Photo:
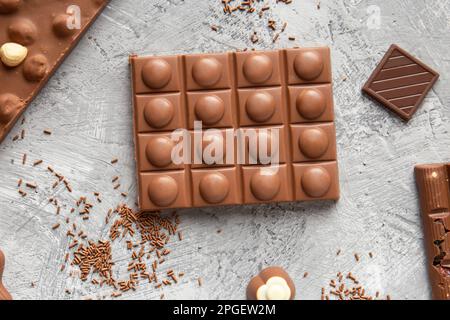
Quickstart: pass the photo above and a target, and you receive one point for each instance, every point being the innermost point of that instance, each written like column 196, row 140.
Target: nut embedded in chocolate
column 23, row 31
column 9, row 106
column 9, row 6
column 35, row 68
column 272, row 283
column 61, row 25
column 12, row 54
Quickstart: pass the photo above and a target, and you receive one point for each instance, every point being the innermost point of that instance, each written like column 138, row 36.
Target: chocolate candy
column 277, row 104
column 272, row 283
column 32, row 50
column 433, row 183
column 4, row 295
column 400, row 82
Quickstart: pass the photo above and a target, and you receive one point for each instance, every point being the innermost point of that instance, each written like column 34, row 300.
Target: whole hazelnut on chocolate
column 9, row 6
column 23, row 31
column 4, row 295
column 272, row 283
column 9, row 106
column 35, row 68
column 61, row 26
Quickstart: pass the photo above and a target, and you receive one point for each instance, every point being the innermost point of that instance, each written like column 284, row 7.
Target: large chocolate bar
column 433, row 183
column 278, row 104
column 400, row 82
column 35, row 37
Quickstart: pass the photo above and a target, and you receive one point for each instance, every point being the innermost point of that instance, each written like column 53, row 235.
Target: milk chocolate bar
column 4, row 294
column 400, row 82
column 35, row 37
column 272, row 283
column 433, row 183
column 253, row 107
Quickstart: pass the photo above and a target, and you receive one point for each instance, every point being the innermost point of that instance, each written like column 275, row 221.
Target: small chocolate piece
column 433, row 184
column 272, row 283
column 276, row 103
column 35, row 37
column 4, row 294
column 400, row 82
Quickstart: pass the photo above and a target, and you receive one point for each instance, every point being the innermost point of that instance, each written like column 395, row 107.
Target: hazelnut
column 12, row 54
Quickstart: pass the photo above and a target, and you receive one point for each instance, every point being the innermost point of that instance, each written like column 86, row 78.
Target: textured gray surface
column 87, row 106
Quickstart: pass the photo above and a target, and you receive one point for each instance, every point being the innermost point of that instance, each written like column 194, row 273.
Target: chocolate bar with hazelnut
column 35, row 37
column 433, row 184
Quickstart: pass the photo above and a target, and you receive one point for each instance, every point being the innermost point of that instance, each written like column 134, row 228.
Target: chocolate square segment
column 261, row 106
column 208, row 71
column 400, row 82
column 311, row 103
column 316, row 181
column 215, row 186
column 313, row 142
column 309, row 65
column 267, row 130
column 158, row 112
column 213, row 108
column 258, row 69
column 157, row 74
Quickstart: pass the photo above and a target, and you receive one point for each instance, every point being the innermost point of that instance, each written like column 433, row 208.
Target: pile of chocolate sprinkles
column 150, row 232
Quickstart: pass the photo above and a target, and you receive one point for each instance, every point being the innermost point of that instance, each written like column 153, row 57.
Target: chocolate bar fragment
column 274, row 103
column 272, row 283
column 400, row 82
column 433, row 183
column 35, row 37
column 4, row 294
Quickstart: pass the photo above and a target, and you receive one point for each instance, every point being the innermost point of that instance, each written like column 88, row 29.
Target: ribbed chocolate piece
column 433, row 183
column 4, row 294
column 400, row 82
column 46, row 32
column 284, row 98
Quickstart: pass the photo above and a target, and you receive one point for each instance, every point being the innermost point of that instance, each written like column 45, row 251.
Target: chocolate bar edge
column 422, row 188
column 55, row 67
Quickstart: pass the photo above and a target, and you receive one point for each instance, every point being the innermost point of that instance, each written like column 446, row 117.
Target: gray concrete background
column 87, row 106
